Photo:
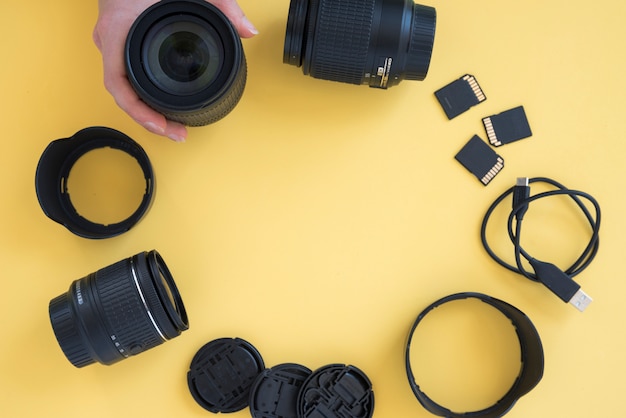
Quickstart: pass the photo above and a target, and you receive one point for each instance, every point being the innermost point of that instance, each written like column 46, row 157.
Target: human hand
column 115, row 17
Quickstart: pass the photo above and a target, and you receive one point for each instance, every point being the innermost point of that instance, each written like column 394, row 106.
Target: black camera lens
column 185, row 59
column 120, row 310
column 374, row 42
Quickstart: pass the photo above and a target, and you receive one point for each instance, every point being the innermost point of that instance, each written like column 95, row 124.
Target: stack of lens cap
column 228, row 374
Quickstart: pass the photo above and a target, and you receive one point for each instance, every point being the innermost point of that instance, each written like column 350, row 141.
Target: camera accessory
column 374, row 42
column 54, row 168
column 274, row 393
column 222, row 372
column 458, row 96
column 120, row 310
column 336, row 391
column 507, row 126
column 531, row 350
column 559, row 281
column 480, row 160
column 184, row 58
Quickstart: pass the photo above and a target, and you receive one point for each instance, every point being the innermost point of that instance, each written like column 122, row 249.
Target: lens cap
column 54, row 168
column 275, row 391
column 222, row 373
column 336, row 391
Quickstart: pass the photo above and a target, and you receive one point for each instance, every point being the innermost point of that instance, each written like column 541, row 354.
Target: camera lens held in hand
column 374, row 42
column 185, row 59
column 120, row 310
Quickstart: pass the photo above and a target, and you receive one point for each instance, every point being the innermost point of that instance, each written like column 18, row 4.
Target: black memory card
column 480, row 159
column 508, row 126
column 458, row 96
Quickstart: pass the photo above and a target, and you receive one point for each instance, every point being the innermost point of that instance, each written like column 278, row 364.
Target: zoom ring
column 130, row 327
column 421, row 43
column 342, row 38
column 66, row 331
column 218, row 110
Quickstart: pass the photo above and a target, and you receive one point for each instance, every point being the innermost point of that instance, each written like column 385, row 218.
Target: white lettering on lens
column 387, row 69
column 79, row 295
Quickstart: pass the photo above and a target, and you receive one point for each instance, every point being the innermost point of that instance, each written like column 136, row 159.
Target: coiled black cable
column 559, row 281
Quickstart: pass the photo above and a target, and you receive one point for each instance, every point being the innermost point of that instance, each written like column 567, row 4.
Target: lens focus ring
column 342, row 38
column 218, row 110
column 421, row 43
column 132, row 331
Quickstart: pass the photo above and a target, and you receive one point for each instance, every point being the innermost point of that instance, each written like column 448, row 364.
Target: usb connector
column 580, row 300
column 560, row 284
column 521, row 192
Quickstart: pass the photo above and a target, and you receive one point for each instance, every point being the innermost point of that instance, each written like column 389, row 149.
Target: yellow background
column 318, row 219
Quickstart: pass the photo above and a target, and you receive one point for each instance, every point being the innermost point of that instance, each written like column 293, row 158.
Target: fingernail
column 154, row 128
column 250, row 26
column 176, row 138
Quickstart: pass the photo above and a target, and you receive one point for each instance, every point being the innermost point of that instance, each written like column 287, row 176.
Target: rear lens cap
column 336, row 391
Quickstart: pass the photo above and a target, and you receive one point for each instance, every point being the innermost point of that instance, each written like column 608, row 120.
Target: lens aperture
column 183, row 57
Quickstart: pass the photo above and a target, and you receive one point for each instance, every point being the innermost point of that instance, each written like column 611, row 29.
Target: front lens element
column 183, row 58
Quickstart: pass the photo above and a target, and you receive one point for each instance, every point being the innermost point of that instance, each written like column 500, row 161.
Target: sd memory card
column 480, row 159
column 458, row 96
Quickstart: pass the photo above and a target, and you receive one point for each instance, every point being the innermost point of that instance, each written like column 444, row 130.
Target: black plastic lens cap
column 222, row 373
column 336, row 391
column 275, row 391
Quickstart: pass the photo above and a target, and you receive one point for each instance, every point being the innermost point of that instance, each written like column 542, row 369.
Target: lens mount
column 54, row 168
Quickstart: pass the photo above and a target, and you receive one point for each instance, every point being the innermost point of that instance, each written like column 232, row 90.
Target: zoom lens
column 185, row 59
column 375, row 42
column 120, row 310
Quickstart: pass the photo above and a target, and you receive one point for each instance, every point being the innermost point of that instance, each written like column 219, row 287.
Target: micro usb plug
column 560, row 284
column 521, row 193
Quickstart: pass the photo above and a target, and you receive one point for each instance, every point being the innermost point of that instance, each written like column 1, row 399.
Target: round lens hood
column 54, row 168
column 531, row 353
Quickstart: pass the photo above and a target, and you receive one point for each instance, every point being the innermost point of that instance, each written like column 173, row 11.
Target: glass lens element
column 183, row 58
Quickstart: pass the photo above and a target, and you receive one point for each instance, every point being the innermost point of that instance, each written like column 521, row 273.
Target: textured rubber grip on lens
column 421, row 43
column 65, row 329
column 130, row 326
column 218, row 110
column 342, row 38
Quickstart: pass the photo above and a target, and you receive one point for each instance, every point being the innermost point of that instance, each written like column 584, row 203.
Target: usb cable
column 559, row 281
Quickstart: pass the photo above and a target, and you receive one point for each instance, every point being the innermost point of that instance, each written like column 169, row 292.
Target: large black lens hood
column 55, row 165
column 532, row 359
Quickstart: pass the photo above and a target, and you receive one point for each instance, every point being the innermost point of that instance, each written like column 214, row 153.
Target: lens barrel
column 185, row 59
column 374, row 42
column 118, row 311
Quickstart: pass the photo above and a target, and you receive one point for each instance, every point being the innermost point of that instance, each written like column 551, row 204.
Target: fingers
column 116, row 83
column 235, row 14
column 128, row 101
column 111, row 43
